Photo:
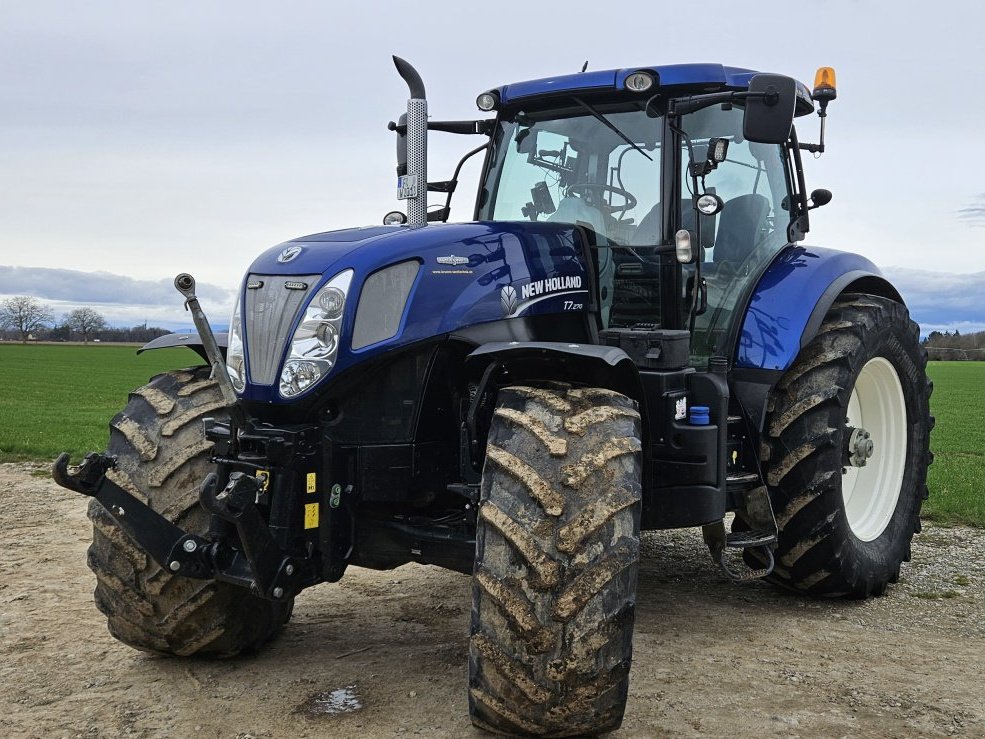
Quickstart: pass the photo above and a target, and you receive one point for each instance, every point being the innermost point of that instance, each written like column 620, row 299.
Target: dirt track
column 711, row 658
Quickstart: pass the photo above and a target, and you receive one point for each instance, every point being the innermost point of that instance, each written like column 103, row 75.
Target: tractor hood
column 453, row 276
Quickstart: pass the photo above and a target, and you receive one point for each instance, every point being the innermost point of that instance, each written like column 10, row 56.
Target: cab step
column 751, row 539
column 741, row 481
column 757, row 513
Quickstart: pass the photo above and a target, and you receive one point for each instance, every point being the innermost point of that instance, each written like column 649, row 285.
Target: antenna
column 584, row 66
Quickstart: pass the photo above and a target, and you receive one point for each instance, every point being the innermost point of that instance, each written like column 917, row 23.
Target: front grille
column 270, row 311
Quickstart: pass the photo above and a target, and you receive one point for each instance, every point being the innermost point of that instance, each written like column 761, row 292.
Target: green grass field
column 957, row 477
column 60, row 398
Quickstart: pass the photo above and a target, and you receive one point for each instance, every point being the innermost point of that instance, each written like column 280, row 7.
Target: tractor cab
column 684, row 202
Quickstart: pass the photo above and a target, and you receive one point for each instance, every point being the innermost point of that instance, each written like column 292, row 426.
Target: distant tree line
column 943, row 345
column 23, row 318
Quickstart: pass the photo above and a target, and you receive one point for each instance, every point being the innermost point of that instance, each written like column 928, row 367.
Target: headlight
column 235, row 358
column 316, row 340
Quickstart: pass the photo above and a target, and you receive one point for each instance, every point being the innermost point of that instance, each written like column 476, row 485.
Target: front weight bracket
column 171, row 547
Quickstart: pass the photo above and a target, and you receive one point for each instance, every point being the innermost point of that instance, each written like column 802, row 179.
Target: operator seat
column 574, row 210
column 741, row 226
column 647, row 230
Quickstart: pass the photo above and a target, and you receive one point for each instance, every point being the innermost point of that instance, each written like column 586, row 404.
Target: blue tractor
column 627, row 337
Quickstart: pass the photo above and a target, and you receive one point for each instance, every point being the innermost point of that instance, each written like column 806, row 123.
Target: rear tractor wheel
column 846, row 450
column 557, row 552
column 162, row 459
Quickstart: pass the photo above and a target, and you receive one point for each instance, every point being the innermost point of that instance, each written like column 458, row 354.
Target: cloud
column 104, row 287
column 942, row 301
column 974, row 213
column 122, row 301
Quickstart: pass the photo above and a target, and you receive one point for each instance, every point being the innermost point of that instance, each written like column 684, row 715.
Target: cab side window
column 752, row 182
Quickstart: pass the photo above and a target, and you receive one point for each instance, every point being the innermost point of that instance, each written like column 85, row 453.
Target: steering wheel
column 585, row 187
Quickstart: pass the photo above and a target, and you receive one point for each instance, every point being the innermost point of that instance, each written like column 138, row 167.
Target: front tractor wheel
column 846, row 450
column 162, row 459
column 557, row 550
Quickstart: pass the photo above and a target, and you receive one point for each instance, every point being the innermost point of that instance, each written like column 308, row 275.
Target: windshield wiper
column 611, row 126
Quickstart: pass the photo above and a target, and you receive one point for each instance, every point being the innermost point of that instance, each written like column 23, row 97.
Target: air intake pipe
column 412, row 150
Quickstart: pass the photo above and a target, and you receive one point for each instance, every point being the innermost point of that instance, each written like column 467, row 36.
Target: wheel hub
column 860, row 447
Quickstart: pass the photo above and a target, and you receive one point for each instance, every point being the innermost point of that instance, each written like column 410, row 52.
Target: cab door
column 739, row 242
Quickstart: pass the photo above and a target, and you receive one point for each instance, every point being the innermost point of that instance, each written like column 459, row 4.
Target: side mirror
column 820, row 197
column 769, row 109
column 401, row 131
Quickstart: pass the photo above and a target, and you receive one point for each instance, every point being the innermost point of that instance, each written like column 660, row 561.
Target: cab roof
column 703, row 77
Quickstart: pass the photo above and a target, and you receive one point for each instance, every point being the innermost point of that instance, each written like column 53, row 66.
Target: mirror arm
column 483, row 126
column 692, row 103
column 452, row 184
column 800, row 222
column 822, row 113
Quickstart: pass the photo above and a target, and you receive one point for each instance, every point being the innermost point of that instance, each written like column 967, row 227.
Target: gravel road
column 384, row 653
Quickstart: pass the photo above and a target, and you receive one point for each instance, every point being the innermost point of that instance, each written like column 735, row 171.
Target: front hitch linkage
column 262, row 566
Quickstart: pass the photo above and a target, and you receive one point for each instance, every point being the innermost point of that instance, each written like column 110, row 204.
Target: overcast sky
column 142, row 139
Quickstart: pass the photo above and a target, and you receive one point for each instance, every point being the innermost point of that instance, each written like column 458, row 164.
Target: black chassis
column 359, row 473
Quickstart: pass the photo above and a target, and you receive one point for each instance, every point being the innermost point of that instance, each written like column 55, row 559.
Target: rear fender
column 792, row 297
column 786, row 311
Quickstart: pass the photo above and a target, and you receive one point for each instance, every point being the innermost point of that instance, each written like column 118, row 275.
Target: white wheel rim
column 872, row 492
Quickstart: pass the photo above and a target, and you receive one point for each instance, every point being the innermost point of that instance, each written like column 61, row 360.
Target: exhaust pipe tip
column 410, row 75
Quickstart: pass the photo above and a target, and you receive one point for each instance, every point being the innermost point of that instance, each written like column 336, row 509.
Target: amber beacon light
column 824, row 86
column 824, row 92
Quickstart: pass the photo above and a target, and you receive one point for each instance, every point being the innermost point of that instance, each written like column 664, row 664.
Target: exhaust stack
column 413, row 185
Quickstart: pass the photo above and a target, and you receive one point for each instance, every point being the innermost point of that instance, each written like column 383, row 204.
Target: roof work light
column 639, row 81
column 487, row 101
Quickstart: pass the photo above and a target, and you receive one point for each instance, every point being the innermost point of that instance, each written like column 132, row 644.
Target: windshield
column 574, row 165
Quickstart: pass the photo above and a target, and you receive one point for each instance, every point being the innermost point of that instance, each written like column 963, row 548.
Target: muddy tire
column 162, row 460
column 557, row 553
column 845, row 529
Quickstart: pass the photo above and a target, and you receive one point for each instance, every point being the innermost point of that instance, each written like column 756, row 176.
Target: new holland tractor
column 629, row 336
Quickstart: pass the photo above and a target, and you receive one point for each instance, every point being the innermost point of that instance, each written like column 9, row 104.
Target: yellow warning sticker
column 312, row 482
column 264, row 477
column 311, row 515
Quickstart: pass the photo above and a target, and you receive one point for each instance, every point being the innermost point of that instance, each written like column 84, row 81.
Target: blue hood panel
column 470, row 273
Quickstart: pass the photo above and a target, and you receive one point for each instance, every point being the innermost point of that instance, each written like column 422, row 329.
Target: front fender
column 792, row 297
column 191, row 340
column 589, row 364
